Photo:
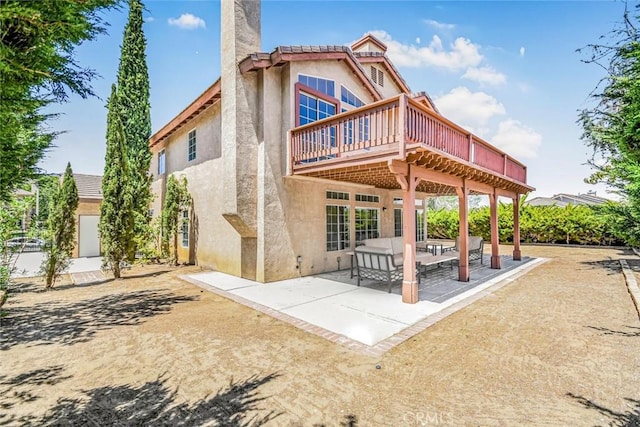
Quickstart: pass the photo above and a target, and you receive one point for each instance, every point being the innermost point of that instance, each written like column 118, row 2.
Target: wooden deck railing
column 390, row 126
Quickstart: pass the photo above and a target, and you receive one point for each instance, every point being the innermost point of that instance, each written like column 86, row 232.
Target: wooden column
column 409, row 282
column 408, row 183
column 495, row 234
column 463, row 213
column 517, row 256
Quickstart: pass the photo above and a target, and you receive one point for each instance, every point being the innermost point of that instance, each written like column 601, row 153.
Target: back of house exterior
column 251, row 217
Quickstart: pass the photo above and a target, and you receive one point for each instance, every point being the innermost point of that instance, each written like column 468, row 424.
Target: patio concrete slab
column 293, row 292
column 225, row 281
column 332, row 306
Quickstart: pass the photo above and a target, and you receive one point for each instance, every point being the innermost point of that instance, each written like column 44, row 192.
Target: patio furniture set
column 382, row 258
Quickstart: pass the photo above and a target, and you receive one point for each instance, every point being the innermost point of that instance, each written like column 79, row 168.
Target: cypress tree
column 61, row 227
column 116, row 211
column 177, row 199
column 133, row 97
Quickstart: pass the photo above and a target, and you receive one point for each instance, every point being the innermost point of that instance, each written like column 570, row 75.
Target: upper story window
column 321, row 85
column 348, row 97
column 377, row 76
column 314, row 108
column 161, row 162
column 191, row 146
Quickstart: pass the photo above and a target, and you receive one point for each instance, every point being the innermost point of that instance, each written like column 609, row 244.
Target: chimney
column 239, row 130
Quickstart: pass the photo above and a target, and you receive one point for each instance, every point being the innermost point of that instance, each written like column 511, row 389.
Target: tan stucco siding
column 290, row 212
column 207, row 126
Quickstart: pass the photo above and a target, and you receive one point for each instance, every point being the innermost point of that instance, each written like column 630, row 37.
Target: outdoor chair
column 475, row 246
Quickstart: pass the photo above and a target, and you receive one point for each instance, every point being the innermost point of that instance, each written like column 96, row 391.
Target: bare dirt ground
column 558, row 346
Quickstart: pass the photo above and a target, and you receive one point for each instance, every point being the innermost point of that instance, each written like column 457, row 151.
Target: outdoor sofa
column 382, row 259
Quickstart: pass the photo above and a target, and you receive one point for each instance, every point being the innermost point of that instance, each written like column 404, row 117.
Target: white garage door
column 89, row 244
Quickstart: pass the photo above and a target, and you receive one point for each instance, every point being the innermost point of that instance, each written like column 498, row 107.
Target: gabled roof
column 89, row 186
column 369, row 38
column 284, row 54
column 381, row 58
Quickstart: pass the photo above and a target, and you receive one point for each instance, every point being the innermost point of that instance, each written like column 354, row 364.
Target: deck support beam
column 463, row 232
column 517, row 255
column 495, row 249
column 408, row 183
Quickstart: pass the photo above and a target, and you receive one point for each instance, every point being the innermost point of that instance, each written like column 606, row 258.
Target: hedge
column 573, row 224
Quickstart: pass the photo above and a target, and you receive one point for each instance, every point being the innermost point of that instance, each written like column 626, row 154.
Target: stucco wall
column 290, row 211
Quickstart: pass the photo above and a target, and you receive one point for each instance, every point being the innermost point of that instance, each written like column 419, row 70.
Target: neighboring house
column 277, row 195
column 87, row 215
column 564, row 199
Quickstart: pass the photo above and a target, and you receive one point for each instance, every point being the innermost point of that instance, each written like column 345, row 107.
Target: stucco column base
column 463, row 273
column 410, row 292
column 495, row 262
column 517, row 255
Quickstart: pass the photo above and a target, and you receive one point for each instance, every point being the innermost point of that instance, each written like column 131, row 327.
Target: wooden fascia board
column 357, row 69
column 251, row 63
column 209, row 95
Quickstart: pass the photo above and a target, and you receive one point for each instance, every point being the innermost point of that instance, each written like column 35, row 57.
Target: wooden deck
column 356, row 146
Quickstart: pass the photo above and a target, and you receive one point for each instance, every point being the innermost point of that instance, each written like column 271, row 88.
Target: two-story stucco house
column 294, row 156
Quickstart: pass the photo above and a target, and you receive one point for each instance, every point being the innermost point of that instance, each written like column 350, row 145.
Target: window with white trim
column 367, row 223
column 161, row 162
column 397, row 224
column 349, row 97
column 361, row 123
column 191, row 146
column 184, row 229
column 321, row 85
column 337, row 195
column 337, row 220
column 371, row 198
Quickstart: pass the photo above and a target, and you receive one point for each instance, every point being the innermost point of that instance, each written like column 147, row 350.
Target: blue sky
column 509, row 71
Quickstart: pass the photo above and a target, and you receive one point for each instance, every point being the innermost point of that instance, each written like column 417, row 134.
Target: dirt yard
column 558, row 346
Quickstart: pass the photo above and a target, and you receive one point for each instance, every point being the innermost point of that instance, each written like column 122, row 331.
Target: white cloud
column 522, row 51
column 149, row 19
column 417, row 40
column 469, row 109
column 440, row 26
column 187, row 21
column 485, row 75
column 462, row 53
column 516, row 139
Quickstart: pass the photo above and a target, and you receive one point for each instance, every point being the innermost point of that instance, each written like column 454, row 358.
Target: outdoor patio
column 366, row 317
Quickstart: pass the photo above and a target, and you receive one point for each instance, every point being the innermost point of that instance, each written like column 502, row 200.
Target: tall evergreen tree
column 612, row 127
column 133, row 97
column 61, row 227
column 37, row 68
column 116, row 211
